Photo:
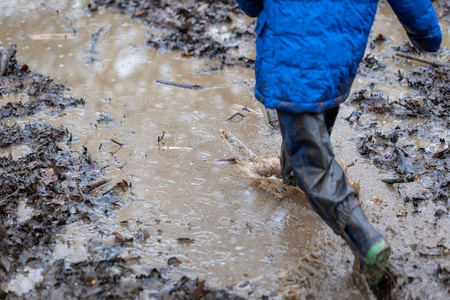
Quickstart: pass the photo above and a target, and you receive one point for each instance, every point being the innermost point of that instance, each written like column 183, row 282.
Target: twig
column 399, row 180
column 171, row 148
column 241, row 149
column 54, row 36
column 233, row 116
column 185, row 240
column 94, row 40
column 121, row 167
column 419, row 59
column 232, row 160
column 160, row 138
column 81, row 193
column 180, row 85
column 430, row 254
column 93, row 185
column 442, row 154
column 116, row 142
column 61, row 15
column 194, row 87
column 244, row 109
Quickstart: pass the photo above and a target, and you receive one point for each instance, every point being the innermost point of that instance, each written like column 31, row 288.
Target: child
column 308, row 52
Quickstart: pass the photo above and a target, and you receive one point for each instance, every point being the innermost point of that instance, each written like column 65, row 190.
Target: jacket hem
column 301, row 107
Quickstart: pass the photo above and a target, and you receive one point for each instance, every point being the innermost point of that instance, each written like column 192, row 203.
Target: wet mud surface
column 394, row 150
column 415, row 155
column 392, row 135
column 42, row 90
column 58, row 186
column 183, row 26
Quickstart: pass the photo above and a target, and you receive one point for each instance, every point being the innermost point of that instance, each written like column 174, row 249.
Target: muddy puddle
column 160, row 205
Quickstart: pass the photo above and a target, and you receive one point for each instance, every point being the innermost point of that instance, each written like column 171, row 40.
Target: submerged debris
column 41, row 90
column 54, row 182
column 393, row 150
column 58, row 185
column 92, row 54
column 194, row 87
column 183, row 25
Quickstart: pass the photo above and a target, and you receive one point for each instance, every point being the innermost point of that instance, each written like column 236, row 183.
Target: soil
column 42, row 90
column 181, row 26
column 61, row 185
column 58, row 185
column 393, row 150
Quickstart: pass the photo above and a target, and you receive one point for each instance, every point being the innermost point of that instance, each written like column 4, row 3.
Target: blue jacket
column 308, row 51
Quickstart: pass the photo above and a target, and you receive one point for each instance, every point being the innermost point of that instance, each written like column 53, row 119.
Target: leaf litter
column 394, row 150
column 389, row 150
column 181, row 25
column 58, row 184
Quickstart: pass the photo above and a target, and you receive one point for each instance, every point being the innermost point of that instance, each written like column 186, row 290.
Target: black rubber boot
column 370, row 247
column 287, row 173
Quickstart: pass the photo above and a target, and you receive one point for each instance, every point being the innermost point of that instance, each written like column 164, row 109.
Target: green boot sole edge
column 375, row 262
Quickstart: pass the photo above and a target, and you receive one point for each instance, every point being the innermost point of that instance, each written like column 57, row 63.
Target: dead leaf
column 48, row 175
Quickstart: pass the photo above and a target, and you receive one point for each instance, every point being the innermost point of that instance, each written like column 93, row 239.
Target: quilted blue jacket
column 308, row 51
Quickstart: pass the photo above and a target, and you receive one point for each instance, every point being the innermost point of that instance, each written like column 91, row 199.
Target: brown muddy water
column 206, row 213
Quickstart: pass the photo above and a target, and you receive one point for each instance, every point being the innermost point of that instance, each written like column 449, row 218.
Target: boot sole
column 374, row 264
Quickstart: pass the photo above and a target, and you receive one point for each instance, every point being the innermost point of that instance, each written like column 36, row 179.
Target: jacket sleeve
column 251, row 7
column 420, row 22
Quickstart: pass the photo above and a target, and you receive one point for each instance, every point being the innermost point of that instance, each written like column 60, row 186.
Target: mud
column 442, row 8
column 394, row 150
column 52, row 182
column 59, row 187
column 113, row 279
column 42, row 91
column 56, row 195
column 181, row 25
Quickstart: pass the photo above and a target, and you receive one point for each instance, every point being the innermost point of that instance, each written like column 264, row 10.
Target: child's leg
column 287, row 173
column 330, row 118
column 307, row 150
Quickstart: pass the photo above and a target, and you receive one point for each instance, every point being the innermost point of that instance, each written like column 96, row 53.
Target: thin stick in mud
column 194, row 87
column 116, row 142
column 59, row 13
column 235, row 115
column 235, row 143
column 399, row 180
column 419, row 60
column 53, row 36
column 97, row 183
